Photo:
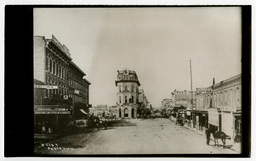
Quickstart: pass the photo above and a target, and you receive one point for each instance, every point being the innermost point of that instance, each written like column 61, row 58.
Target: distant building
column 183, row 99
column 127, row 84
column 98, row 110
column 166, row 103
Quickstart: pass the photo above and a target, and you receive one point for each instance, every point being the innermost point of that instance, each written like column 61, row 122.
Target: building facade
column 166, row 103
column 183, row 99
column 227, row 101
column 127, row 84
column 53, row 67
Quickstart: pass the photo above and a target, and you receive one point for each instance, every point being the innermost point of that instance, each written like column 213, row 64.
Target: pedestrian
column 43, row 128
column 208, row 134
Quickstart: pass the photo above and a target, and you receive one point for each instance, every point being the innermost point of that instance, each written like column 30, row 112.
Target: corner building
column 127, row 84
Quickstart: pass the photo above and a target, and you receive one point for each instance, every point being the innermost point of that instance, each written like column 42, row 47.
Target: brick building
column 60, row 78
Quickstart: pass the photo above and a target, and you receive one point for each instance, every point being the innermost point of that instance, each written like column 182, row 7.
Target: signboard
column 203, row 90
column 227, row 123
column 52, row 112
column 56, row 110
column 46, row 86
column 213, row 117
column 76, row 92
column 188, row 113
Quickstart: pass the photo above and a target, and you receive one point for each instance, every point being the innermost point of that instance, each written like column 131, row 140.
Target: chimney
column 213, row 82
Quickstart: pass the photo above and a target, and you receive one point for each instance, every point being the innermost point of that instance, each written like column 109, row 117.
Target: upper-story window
column 50, row 65
column 119, row 88
column 231, row 97
column 125, row 87
column 132, row 88
column 53, row 67
column 225, row 98
column 125, row 99
column 238, row 94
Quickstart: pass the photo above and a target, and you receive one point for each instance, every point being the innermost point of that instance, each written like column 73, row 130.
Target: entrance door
column 126, row 112
column 133, row 113
column 120, row 113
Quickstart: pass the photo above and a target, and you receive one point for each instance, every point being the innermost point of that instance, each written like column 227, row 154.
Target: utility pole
column 191, row 85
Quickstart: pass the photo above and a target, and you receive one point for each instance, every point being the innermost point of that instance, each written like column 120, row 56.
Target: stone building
column 127, row 84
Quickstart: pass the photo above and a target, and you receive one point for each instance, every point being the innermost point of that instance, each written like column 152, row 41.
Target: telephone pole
column 191, row 85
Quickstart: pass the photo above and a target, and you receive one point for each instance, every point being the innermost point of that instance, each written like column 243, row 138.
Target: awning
column 83, row 111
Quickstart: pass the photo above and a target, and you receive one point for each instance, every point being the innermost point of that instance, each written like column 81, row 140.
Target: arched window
column 119, row 88
column 132, row 99
column 125, row 112
column 125, row 99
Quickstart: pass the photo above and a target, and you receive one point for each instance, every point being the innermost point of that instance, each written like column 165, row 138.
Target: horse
column 218, row 135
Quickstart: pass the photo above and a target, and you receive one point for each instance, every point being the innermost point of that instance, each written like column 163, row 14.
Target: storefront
column 51, row 118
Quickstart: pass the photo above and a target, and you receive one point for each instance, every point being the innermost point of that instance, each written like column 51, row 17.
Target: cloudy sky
column 155, row 42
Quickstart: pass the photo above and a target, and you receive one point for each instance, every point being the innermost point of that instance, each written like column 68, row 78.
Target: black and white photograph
column 125, row 81
column 137, row 80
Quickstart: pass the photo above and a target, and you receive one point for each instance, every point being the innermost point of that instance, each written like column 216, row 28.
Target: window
column 220, row 98
column 125, row 87
column 238, row 95
column 132, row 99
column 225, row 98
column 132, row 88
column 120, row 100
column 125, row 99
column 231, row 97
column 53, row 67
column 50, row 65
column 119, row 88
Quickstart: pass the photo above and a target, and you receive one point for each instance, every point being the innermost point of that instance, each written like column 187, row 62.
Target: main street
column 145, row 136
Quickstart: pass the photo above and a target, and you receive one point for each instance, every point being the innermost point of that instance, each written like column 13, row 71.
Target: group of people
column 43, row 128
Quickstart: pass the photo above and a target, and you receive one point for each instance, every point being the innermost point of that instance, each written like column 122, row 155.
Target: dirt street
column 149, row 136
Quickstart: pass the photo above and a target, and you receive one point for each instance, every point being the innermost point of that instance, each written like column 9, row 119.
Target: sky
column 156, row 42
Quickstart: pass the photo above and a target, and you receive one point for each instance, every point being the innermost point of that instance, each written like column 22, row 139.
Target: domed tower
column 127, row 84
